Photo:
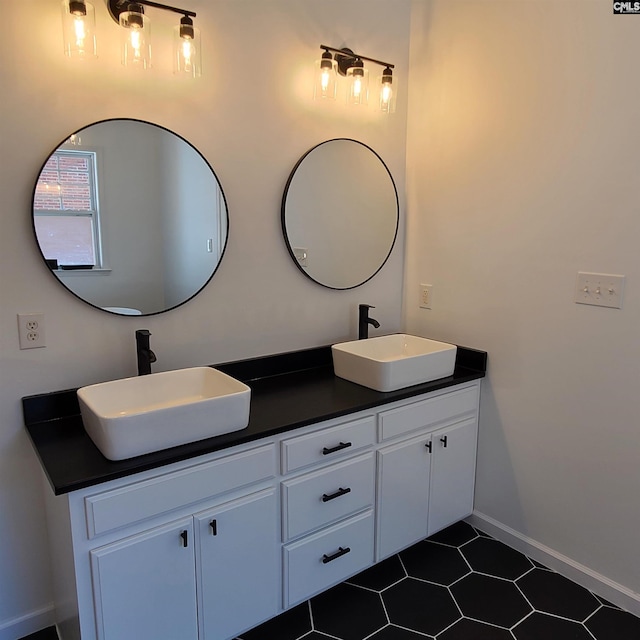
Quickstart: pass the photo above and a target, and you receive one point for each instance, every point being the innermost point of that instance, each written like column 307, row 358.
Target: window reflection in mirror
column 131, row 218
column 65, row 210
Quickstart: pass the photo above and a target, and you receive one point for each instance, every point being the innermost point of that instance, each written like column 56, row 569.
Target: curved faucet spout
column 143, row 351
column 364, row 321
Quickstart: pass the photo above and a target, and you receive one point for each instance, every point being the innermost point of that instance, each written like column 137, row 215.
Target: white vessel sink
column 133, row 416
column 388, row 363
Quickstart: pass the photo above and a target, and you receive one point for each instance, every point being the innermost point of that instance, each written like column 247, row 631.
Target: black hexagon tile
column 552, row 593
column 420, row 606
column 290, row 625
column 491, row 600
column 460, row 584
column 455, row 535
column 381, row 575
column 486, row 555
column 391, row 632
column 540, row 626
column 434, row 563
column 466, row 629
column 348, row 612
column 613, row 624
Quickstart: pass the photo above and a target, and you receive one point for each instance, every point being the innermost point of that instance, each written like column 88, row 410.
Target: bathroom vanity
column 211, row 538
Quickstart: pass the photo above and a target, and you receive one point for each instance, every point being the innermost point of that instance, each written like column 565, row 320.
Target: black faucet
column 364, row 321
column 145, row 355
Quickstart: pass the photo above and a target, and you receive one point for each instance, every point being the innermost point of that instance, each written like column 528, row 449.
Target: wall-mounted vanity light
column 78, row 29
column 78, row 18
column 347, row 63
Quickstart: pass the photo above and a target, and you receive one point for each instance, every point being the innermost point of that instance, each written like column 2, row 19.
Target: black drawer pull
column 444, row 441
column 185, row 538
column 337, row 494
column 336, row 555
column 214, row 527
column 327, row 450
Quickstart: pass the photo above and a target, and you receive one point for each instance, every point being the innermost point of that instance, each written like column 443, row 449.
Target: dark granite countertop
column 288, row 391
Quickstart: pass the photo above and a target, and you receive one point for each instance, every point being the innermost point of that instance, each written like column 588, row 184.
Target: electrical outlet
column 425, row 296
column 31, row 330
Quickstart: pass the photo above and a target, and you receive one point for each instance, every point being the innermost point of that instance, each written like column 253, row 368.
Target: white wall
column 252, row 117
column 523, row 156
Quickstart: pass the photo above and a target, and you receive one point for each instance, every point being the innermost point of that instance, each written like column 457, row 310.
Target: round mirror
column 340, row 213
column 130, row 217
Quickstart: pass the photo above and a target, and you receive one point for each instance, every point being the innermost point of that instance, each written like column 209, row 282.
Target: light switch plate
column 599, row 289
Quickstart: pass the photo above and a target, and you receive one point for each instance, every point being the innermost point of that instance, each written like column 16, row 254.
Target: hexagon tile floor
column 460, row 584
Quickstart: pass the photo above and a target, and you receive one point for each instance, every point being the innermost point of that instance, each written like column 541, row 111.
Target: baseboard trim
column 601, row 585
column 28, row 623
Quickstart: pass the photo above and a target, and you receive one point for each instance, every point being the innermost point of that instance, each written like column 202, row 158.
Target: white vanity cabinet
column 426, row 474
column 238, row 572
column 453, row 466
column 327, row 512
column 206, row 548
column 144, row 585
column 189, row 551
column 221, row 562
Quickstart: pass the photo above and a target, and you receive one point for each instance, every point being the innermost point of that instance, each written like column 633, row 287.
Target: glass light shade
column 357, row 86
column 387, row 91
column 326, row 85
column 187, row 52
column 136, row 40
column 79, row 29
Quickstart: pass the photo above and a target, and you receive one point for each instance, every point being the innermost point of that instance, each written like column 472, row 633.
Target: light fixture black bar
column 166, row 7
column 116, row 7
column 349, row 54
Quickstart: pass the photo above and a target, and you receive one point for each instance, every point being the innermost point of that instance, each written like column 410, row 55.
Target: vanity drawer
column 316, row 499
column 327, row 444
column 432, row 411
column 327, row 557
column 135, row 502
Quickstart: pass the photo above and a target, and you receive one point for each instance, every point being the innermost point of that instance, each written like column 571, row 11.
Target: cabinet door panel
column 452, row 474
column 144, row 586
column 403, row 495
column 238, row 569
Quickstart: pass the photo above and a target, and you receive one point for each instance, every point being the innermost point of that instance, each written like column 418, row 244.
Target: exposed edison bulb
column 187, row 49
column 78, row 25
column 325, row 86
column 387, row 96
column 357, row 87
column 187, row 57
column 136, row 37
column 358, row 77
column 80, row 31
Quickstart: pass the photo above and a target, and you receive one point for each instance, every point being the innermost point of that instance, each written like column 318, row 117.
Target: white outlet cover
column 599, row 289
column 31, row 333
column 426, row 295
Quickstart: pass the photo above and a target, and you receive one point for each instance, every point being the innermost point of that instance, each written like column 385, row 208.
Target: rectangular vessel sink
column 133, row 416
column 388, row 363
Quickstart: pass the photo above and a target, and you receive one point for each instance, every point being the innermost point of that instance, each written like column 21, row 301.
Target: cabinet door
column 238, row 568
column 403, row 495
column 144, row 586
column 453, row 471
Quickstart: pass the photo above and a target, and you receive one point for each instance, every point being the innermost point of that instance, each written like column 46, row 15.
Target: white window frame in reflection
column 61, row 205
